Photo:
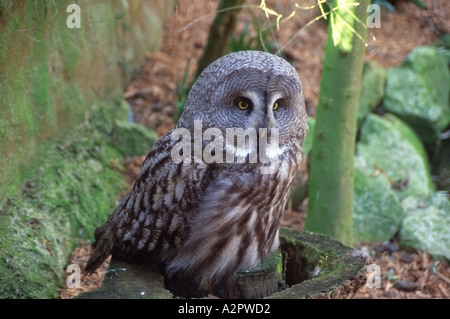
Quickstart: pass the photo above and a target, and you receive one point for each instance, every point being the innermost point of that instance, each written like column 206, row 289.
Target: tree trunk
column 220, row 33
column 330, row 203
column 308, row 266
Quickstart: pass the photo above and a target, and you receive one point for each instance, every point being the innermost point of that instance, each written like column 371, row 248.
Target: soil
column 152, row 95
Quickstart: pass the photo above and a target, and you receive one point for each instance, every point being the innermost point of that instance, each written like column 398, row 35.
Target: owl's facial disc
column 258, row 114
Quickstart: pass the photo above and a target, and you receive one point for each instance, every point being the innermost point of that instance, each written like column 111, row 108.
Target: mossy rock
column 426, row 225
column 313, row 266
column 391, row 148
column 51, row 78
column 71, row 186
column 133, row 139
column 418, row 92
column 377, row 213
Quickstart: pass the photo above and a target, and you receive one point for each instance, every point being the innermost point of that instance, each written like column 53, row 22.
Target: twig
column 441, row 276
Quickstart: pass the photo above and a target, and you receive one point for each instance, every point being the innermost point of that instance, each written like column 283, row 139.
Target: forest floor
column 153, row 95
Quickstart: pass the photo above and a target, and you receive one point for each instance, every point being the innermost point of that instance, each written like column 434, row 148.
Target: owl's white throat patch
column 238, row 147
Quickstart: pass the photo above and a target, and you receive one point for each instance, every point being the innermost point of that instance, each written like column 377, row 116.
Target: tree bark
column 330, row 202
column 220, row 33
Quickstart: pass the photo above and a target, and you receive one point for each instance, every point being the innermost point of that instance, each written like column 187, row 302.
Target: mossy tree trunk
column 308, row 266
column 220, row 32
column 330, row 205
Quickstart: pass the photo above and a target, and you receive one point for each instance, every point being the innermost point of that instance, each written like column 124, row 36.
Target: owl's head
column 248, row 89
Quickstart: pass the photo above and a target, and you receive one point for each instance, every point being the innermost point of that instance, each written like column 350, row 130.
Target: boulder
column 391, row 148
column 391, row 164
column 70, row 189
column 377, row 213
column 426, row 225
column 418, row 93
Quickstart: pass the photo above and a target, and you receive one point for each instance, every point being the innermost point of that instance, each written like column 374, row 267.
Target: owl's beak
column 269, row 122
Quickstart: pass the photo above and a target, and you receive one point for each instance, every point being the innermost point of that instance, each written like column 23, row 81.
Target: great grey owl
column 210, row 195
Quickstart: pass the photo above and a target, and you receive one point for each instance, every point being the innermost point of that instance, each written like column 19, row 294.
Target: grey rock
column 391, row 148
column 418, row 92
column 405, row 285
column 426, row 225
column 377, row 213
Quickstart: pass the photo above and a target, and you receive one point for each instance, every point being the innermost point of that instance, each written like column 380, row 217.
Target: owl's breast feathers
column 207, row 220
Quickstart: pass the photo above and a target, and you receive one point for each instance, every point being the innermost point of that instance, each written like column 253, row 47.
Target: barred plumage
column 206, row 219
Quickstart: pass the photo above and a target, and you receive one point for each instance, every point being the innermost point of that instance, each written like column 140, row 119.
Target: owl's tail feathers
column 104, row 244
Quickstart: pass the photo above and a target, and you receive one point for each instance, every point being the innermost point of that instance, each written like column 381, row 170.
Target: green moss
column 307, row 260
column 70, row 44
column 70, row 191
column 32, row 252
column 133, row 139
column 318, row 266
column 70, row 112
column 51, row 79
column 51, row 75
column 41, row 96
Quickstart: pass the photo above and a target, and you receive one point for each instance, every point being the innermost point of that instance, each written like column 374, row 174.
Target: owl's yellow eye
column 277, row 103
column 243, row 104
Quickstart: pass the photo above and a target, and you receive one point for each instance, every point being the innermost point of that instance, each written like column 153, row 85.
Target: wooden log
column 258, row 282
column 319, row 267
column 309, row 266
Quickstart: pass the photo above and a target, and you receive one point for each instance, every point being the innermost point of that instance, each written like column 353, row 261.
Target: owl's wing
column 151, row 219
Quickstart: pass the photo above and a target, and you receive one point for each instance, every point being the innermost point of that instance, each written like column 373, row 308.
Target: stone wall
column 51, row 75
column 61, row 100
